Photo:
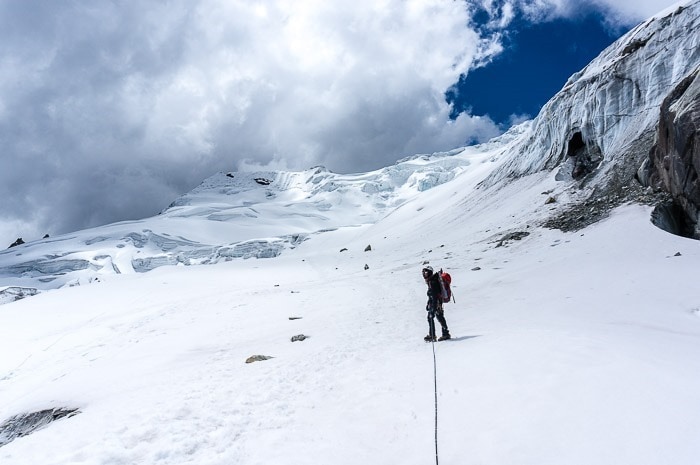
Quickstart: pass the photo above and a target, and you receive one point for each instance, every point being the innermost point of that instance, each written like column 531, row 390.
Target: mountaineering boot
column 429, row 338
column 445, row 336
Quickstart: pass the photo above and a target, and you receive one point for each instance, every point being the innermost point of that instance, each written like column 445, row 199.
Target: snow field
column 568, row 348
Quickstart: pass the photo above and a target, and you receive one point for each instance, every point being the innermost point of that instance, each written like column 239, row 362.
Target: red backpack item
column 445, row 283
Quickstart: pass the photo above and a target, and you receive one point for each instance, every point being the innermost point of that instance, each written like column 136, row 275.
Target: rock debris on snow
column 27, row 423
column 258, row 358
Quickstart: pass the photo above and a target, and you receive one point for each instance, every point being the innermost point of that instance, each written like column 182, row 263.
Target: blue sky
column 110, row 110
column 536, row 63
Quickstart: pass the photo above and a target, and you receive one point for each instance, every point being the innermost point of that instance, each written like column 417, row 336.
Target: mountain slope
column 568, row 348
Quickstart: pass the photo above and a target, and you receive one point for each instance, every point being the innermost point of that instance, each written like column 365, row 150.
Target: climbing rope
column 436, row 403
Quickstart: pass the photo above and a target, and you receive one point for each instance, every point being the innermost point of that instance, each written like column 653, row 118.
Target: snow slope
column 568, row 348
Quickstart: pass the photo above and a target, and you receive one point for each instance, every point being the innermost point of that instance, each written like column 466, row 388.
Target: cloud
column 618, row 13
column 109, row 110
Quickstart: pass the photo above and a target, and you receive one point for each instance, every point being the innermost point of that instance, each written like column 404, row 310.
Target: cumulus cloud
column 616, row 12
column 109, row 110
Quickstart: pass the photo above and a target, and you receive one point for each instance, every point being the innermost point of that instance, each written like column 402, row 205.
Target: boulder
column 674, row 160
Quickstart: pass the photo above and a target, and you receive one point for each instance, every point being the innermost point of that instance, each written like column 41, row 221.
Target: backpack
column 445, row 283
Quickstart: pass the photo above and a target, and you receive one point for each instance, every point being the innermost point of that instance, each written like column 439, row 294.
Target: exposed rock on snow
column 24, row 424
column 513, row 236
column 600, row 202
column 257, row 358
column 19, row 241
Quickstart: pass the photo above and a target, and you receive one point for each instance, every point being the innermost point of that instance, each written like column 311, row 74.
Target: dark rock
column 677, row 254
column 26, row 423
column 634, row 46
column 299, row 337
column 671, row 217
column 674, row 161
column 46, row 236
column 230, row 175
column 476, row 268
column 368, row 248
column 19, row 241
column 258, row 358
column 366, row 266
column 263, row 181
column 295, row 318
column 344, row 249
column 550, row 200
column 514, row 236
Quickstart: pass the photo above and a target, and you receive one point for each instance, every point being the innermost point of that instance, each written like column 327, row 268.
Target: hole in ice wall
column 584, row 157
column 575, row 145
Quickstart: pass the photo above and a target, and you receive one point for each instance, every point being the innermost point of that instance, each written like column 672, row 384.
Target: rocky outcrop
column 19, row 241
column 674, row 160
column 25, row 424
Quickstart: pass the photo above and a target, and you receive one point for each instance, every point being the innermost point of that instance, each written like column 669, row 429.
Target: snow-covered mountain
column 229, row 216
column 576, row 321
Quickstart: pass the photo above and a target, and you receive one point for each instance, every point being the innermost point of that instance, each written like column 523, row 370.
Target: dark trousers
column 434, row 309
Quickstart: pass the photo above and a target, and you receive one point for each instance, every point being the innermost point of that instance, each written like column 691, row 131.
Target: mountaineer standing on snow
column 434, row 305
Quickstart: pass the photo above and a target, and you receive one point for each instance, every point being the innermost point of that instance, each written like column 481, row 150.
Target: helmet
column 427, row 270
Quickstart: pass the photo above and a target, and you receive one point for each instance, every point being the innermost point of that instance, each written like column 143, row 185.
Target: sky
column 110, row 110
